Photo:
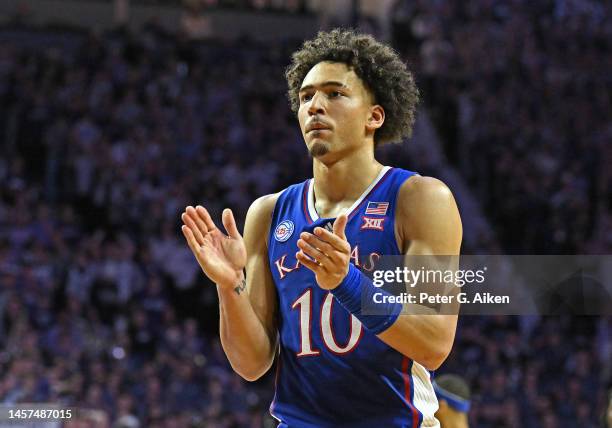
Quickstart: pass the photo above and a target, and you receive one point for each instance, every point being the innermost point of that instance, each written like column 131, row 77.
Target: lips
column 317, row 126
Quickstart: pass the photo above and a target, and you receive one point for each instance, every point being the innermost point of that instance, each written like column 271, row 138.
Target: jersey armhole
column 273, row 216
column 396, row 236
column 275, row 211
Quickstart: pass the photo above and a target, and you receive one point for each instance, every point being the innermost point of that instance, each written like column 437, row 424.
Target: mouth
column 317, row 127
column 317, row 131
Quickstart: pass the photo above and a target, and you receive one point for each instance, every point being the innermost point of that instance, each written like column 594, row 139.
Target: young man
column 304, row 248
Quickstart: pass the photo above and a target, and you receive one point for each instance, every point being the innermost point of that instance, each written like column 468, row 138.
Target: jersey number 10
column 305, row 305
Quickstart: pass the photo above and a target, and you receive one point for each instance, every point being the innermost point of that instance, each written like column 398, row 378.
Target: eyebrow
column 328, row 83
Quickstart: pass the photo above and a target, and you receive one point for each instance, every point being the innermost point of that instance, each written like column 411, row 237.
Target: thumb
column 340, row 226
column 230, row 224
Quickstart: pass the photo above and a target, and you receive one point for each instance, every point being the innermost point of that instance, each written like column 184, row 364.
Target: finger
column 205, row 216
column 327, row 249
column 191, row 212
column 339, row 243
column 230, row 224
column 340, row 226
column 318, row 256
column 191, row 240
column 194, row 229
column 303, row 259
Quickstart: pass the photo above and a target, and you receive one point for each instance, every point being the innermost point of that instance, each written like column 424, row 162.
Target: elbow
column 439, row 350
column 433, row 363
column 436, row 356
column 254, row 373
column 251, row 376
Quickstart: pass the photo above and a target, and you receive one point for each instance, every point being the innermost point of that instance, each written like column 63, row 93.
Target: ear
column 376, row 117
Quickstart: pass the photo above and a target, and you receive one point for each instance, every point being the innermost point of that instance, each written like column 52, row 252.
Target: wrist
column 355, row 290
column 346, row 288
column 343, row 280
column 230, row 285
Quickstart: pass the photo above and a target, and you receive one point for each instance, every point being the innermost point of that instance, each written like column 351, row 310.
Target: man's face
column 334, row 110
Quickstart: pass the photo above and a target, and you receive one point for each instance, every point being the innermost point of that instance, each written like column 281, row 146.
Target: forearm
column 426, row 339
column 247, row 344
column 247, row 314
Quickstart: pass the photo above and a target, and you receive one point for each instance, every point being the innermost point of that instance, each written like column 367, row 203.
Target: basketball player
column 304, row 250
column 454, row 401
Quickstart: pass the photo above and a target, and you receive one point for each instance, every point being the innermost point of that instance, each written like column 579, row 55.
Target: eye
column 334, row 94
column 305, row 97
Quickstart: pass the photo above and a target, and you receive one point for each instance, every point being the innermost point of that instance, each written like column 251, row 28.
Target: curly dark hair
column 376, row 64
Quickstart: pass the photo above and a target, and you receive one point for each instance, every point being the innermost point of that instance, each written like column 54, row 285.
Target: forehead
column 332, row 71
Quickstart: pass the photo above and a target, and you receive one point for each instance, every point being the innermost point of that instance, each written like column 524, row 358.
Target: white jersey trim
column 424, row 398
column 311, row 199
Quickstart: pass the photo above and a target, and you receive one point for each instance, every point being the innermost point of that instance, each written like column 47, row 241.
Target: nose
column 316, row 104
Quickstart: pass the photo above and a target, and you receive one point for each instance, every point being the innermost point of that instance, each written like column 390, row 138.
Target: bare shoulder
column 426, row 210
column 259, row 217
column 263, row 206
column 420, row 192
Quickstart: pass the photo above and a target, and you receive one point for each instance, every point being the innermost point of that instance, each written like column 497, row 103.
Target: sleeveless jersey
column 331, row 371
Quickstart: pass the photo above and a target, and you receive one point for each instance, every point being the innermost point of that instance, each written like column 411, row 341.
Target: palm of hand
column 221, row 256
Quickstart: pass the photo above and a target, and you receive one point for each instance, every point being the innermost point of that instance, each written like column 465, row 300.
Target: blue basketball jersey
column 331, row 371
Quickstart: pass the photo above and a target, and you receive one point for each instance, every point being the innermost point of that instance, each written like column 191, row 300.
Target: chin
column 318, row 149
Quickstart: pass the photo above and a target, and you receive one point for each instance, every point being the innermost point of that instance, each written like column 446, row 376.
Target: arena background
column 116, row 115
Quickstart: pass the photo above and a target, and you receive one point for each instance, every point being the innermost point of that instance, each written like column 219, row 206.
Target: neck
column 337, row 185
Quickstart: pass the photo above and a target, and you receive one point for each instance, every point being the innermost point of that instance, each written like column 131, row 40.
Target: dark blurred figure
column 454, row 400
column 607, row 416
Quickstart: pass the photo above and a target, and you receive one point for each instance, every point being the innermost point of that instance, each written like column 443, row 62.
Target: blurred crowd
column 534, row 372
column 106, row 141
column 290, row 6
column 106, row 138
column 520, row 91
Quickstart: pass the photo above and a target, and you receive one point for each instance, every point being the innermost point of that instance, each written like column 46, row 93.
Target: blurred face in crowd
column 449, row 417
column 609, row 412
column 337, row 112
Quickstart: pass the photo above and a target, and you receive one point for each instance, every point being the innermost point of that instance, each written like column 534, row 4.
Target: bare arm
column 428, row 223
column 248, row 327
column 247, row 306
